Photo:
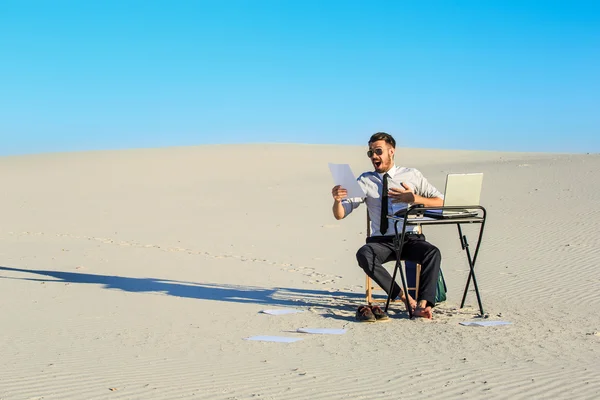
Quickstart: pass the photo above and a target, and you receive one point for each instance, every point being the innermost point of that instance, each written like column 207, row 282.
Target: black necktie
column 383, row 225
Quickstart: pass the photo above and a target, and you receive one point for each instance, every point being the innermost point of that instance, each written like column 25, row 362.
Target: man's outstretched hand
column 339, row 193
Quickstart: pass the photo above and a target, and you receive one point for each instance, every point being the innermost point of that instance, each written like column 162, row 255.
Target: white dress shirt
column 372, row 185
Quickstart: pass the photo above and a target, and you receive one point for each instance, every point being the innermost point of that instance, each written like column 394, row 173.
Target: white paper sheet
column 342, row 175
column 422, row 219
column 485, row 323
column 280, row 339
column 322, row 331
column 282, row 311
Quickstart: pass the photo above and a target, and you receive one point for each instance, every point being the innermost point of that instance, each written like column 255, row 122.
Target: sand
column 137, row 274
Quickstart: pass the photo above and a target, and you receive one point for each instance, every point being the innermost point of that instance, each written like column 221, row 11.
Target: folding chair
column 372, row 286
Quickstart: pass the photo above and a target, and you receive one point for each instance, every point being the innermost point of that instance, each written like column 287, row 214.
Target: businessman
column 388, row 189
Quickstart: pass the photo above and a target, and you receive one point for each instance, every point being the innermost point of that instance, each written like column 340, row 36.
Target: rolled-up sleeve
column 426, row 189
column 350, row 204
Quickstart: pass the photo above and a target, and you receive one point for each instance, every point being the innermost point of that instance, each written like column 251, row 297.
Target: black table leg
column 471, row 261
column 398, row 244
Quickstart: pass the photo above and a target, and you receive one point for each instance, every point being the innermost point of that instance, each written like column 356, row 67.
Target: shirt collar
column 391, row 172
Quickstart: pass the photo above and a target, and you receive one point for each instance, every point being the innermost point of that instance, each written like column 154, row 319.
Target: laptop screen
column 463, row 189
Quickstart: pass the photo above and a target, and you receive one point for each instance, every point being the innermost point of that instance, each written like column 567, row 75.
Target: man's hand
column 406, row 195
column 339, row 193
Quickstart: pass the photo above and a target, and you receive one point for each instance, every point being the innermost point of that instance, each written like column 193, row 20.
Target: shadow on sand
column 276, row 296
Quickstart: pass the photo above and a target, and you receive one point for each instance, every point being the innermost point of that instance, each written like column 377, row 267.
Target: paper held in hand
column 342, row 175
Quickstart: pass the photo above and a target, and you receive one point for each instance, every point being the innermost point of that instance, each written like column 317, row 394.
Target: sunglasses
column 370, row 153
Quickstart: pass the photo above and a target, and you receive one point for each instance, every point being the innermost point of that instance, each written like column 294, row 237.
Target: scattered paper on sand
column 322, row 331
column 282, row 311
column 281, row 339
column 485, row 323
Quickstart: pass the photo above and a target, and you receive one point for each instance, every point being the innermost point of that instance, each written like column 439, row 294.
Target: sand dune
column 137, row 274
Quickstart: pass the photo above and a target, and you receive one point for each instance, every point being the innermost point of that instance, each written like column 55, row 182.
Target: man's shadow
column 276, row 296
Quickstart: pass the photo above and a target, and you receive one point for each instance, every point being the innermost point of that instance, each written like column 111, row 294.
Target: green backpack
column 440, row 295
column 411, row 272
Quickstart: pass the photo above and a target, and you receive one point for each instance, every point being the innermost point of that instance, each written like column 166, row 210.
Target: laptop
column 461, row 190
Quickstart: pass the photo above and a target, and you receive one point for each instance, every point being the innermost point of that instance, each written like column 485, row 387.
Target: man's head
column 382, row 147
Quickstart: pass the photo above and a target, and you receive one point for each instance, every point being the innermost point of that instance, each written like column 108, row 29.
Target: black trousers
column 380, row 250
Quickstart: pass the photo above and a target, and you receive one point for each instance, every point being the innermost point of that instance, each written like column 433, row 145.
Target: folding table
column 414, row 216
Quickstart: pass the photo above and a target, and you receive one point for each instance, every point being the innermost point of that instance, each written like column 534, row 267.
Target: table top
column 437, row 221
column 415, row 216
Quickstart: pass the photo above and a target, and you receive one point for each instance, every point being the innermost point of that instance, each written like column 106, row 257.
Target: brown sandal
column 379, row 314
column 364, row 314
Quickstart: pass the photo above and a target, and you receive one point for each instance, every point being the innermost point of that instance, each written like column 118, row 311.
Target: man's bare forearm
column 429, row 201
column 338, row 210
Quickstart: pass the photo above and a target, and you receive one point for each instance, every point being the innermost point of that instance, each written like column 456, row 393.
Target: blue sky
column 492, row 75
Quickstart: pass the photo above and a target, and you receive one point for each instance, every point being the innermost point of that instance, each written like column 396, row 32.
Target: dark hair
column 383, row 136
